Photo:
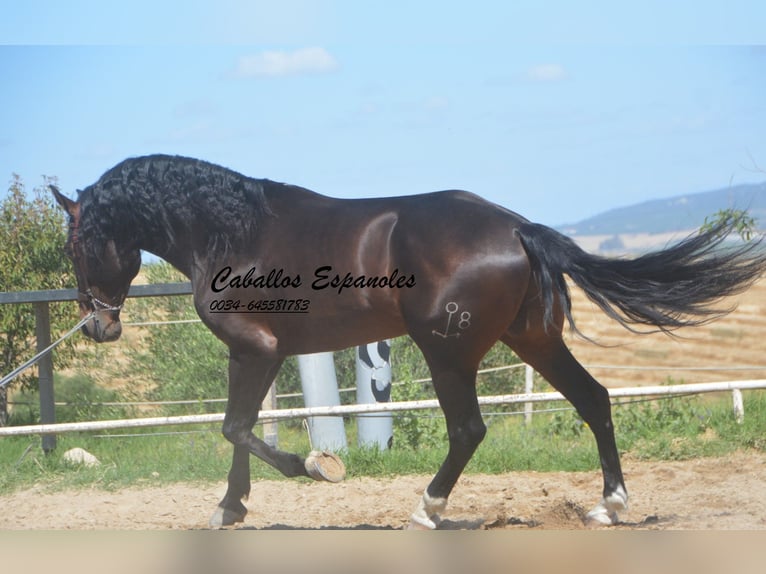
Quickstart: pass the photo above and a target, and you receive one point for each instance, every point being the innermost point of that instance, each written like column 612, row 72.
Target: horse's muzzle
column 103, row 327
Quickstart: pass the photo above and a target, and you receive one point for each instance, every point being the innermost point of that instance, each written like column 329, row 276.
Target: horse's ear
column 71, row 207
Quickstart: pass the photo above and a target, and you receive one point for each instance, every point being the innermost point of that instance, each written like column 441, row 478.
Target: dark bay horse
column 278, row 270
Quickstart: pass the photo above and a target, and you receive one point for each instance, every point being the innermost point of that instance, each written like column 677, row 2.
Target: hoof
column 426, row 515
column 600, row 516
column 605, row 512
column 224, row 517
column 419, row 523
column 325, row 466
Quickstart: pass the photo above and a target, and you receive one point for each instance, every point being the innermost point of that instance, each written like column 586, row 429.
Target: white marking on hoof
column 605, row 512
column 224, row 517
column 216, row 521
column 618, row 500
column 419, row 523
column 600, row 516
column 426, row 515
column 325, row 466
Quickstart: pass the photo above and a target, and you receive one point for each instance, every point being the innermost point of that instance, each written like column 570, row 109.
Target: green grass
column 670, row 429
column 141, row 459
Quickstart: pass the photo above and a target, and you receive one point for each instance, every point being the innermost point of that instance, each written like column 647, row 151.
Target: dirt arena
column 704, row 494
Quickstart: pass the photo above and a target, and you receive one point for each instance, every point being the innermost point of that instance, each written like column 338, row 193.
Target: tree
column 32, row 235
column 739, row 220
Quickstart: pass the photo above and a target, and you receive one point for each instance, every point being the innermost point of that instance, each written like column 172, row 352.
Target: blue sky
column 557, row 112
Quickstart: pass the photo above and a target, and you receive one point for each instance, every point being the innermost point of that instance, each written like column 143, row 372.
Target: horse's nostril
column 102, row 331
column 112, row 331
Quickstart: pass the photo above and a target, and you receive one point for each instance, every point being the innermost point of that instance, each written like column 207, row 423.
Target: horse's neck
column 166, row 237
column 176, row 234
column 179, row 257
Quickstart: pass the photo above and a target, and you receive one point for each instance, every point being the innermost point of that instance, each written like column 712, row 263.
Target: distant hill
column 683, row 212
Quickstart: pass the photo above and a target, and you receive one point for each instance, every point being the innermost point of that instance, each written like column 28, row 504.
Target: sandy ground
column 705, row 494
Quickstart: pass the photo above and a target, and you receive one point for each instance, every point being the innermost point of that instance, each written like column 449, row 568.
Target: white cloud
column 281, row 63
column 547, row 73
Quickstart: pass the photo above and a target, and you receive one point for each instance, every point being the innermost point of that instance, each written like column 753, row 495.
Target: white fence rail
column 735, row 387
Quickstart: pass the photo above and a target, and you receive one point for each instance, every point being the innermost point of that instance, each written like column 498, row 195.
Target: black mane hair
column 150, row 198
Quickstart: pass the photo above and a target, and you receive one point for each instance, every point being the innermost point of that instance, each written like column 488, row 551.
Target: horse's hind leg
column 250, row 377
column 549, row 356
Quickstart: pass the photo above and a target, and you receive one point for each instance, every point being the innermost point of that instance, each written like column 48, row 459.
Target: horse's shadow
column 651, row 521
column 477, row 524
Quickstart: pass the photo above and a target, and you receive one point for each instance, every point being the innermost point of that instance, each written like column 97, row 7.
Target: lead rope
column 20, row 369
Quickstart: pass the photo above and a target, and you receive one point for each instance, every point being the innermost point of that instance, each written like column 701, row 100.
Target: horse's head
column 103, row 273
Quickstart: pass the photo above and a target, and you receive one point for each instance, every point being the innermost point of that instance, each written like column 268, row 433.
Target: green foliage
column 674, row 415
column 82, row 400
column 32, row 236
column 662, row 428
column 505, row 382
column 750, row 433
column 187, row 362
column 680, row 427
column 744, row 224
column 183, row 361
column 566, row 424
column 413, row 429
column 420, row 429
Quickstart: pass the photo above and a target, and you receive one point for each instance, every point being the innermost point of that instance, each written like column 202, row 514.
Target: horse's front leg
column 250, row 377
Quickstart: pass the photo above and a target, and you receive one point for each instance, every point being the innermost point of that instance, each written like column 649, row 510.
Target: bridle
column 78, row 260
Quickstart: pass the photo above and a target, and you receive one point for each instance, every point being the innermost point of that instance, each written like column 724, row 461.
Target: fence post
column 529, row 381
column 320, row 389
column 45, row 372
column 739, row 406
column 373, row 385
column 270, row 432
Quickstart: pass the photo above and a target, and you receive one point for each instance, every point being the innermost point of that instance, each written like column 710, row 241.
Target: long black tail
column 672, row 288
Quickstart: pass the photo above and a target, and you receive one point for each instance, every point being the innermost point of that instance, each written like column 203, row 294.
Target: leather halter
column 78, row 260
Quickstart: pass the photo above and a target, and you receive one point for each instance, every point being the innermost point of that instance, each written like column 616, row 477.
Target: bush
column 183, row 361
column 32, row 236
column 83, row 400
column 673, row 415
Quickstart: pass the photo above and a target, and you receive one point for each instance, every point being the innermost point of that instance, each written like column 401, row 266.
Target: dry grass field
column 625, row 359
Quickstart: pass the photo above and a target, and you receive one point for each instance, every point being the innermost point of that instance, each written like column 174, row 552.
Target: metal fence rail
column 55, row 295
column 341, row 410
column 40, row 301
